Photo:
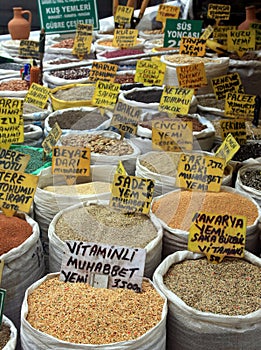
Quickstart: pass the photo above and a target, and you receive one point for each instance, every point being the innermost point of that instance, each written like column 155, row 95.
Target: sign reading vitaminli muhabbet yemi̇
column 102, row 265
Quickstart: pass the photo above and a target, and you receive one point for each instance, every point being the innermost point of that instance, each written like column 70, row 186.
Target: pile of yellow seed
column 79, row 313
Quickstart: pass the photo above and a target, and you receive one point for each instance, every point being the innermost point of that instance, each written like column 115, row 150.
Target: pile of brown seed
column 232, row 287
column 98, row 223
column 79, row 313
column 98, row 144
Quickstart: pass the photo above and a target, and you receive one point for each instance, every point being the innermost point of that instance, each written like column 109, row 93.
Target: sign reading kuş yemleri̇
column 63, row 16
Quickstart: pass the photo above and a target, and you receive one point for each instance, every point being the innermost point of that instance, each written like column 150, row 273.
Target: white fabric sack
column 51, row 81
column 165, row 183
column 23, row 266
column 202, row 140
column 152, row 106
column 48, row 128
column 32, row 339
column 176, row 239
column 250, row 74
column 251, row 191
column 32, row 133
column 47, row 204
column 217, row 67
column 11, row 344
column 57, row 246
column 188, row 328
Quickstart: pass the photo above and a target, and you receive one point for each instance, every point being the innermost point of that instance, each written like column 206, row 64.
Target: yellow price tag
column 175, row 100
column 105, row 94
column 219, row 11
column 199, row 172
column 18, row 191
column 192, row 76
column 167, row 11
column 236, row 127
column 217, row 236
column 150, row 72
column 241, row 41
column 175, row 135
column 192, row 46
column 37, row 95
column 131, row 194
column 103, row 71
column 123, row 14
column 240, row 105
column 228, row 148
column 125, row 38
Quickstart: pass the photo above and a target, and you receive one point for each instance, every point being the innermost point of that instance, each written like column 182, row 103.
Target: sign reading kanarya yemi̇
column 63, row 16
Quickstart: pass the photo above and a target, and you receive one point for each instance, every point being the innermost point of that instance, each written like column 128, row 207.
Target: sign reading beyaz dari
column 102, row 265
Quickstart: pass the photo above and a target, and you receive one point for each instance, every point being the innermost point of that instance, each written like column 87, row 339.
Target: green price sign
column 63, row 16
column 177, row 28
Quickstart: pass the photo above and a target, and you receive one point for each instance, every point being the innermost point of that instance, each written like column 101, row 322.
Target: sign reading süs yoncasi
column 63, row 16
column 177, row 28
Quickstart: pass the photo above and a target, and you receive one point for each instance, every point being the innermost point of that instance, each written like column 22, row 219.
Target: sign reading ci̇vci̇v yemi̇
column 177, row 28
column 103, row 266
column 13, row 160
column 199, row 172
column 217, row 236
column 172, row 135
column 11, row 121
column 63, row 16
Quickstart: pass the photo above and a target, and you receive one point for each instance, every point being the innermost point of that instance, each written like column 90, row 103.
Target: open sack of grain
column 211, row 306
column 8, row 334
column 59, row 315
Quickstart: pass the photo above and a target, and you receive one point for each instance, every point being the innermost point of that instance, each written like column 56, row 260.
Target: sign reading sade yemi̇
column 217, row 235
column 131, row 194
column 63, row 16
column 11, row 121
column 177, row 28
column 199, row 172
column 123, row 266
